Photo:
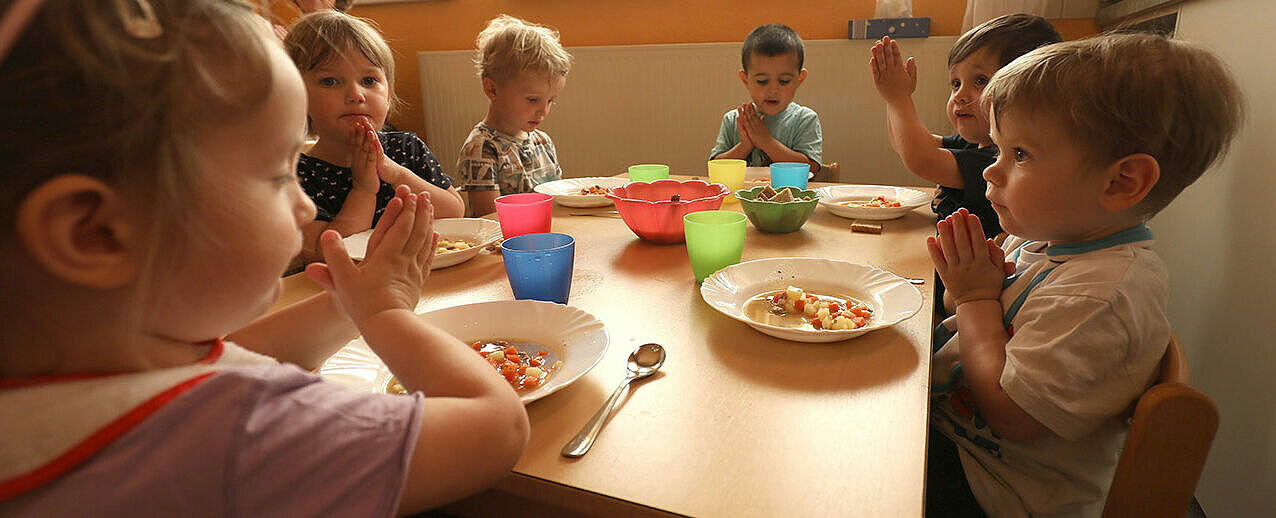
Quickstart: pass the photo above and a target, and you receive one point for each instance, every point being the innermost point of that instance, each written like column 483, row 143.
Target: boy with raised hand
column 771, row 127
column 1061, row 328
column 955, row 162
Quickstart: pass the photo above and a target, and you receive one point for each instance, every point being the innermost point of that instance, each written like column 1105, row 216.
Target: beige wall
column 1219, row 244
column 663, row 104
column 452, row 25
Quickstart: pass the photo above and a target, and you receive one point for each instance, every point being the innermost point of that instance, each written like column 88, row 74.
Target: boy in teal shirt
column 771, row 128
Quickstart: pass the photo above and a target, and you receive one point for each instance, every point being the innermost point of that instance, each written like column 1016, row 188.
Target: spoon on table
column 606, row 213
column 643, row 362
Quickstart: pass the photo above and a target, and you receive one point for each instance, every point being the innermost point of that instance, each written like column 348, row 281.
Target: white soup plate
column 476, row 231
column 890, row 296
column 568, row 333
column 833, row 196
column 566, row 192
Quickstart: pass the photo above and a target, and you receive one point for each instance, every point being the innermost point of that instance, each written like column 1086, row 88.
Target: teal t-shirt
column 797, row 127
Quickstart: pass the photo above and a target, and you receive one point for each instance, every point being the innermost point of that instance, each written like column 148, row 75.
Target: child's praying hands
column 365, row 158
column 746, row 143
column 369, row 153
column 972, row 268
column 754, row 126
column 395, row 266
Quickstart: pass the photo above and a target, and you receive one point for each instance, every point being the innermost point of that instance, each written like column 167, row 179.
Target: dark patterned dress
column 328, row 185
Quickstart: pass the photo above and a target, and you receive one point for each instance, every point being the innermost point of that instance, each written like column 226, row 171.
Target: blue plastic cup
column 790, row 174
column 539, row 266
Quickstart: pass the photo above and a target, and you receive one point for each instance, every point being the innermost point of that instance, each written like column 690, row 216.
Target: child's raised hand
column 972, row 268
column 754, row 124
column 745, row 140
column 365, row 157
column 894, row 77
column 394, row 267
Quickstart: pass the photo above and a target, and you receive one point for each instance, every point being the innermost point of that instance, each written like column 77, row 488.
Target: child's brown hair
column 772, row 40
column 1121, row 94
column 1008, row 37
column 318, row 37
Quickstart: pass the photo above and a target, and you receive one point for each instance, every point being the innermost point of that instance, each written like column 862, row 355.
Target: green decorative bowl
column 778, row 217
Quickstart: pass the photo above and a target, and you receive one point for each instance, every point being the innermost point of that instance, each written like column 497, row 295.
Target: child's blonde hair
column 318, row 37
column 340, row 5
column 508, row 46
column 86, row 96
column 1120, row 94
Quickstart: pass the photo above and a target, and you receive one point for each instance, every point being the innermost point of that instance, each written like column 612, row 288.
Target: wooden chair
column 828, row 173
column 1171, row 430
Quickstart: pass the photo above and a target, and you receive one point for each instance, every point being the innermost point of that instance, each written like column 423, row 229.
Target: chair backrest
column 829, row 173
column 1171, row 431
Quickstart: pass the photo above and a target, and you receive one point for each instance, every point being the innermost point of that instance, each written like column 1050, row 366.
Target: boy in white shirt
column 1059, row 330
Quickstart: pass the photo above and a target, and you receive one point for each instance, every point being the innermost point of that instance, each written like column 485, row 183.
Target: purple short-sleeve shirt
column 268, row 440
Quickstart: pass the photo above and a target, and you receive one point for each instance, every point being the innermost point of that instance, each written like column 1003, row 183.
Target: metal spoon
column 606, row 213
column 643, row 362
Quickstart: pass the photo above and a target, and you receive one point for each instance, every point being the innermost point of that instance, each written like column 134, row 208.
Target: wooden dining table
column 736, row 423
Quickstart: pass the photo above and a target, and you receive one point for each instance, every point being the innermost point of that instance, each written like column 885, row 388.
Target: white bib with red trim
column 51, row 427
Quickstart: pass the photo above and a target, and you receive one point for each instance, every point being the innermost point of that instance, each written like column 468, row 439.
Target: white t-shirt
column 1086, row 340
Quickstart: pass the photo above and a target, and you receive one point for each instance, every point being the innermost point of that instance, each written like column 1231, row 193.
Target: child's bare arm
column 973, row 269
column 762, row 138
column 950, row 306
column 305, row 333
column 483, row 203
column 360, row 204
column 919, row 149
column 447, row 202
column 983, row 358
column 476, row 427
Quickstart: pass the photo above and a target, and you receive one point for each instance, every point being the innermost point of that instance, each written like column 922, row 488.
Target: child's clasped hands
column 752, row 126
column 395, row 266
column 972, row 267
column 369, row 163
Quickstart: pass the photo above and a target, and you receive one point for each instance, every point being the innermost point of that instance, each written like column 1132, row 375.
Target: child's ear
column 76, row 228
column 744, row 77
column 1130, row 179
column 489, row 88
column 801, row 77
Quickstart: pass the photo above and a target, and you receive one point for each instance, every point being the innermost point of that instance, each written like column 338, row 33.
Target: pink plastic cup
column 527, row 213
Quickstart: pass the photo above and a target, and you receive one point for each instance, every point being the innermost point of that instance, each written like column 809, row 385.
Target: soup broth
column 796, row 308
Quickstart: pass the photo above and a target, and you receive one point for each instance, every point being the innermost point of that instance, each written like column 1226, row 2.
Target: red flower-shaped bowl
column 654, row 214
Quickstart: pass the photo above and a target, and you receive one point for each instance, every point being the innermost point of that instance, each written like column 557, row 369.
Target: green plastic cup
column 648, row 172
column 715, row 239
column 728, row 172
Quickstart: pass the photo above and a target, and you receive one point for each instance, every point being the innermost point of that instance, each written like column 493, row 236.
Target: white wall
column 664, row 103
column 1219, row 241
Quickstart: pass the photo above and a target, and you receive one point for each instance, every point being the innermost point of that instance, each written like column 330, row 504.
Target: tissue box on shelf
column 875, row 28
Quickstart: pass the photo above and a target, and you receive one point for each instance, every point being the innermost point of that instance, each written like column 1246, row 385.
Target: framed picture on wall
column 1115, row 12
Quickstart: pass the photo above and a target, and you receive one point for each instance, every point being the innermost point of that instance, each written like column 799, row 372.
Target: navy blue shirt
column 328, row 185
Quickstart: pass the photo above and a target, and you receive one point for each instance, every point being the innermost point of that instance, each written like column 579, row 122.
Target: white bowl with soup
column 871, row 202
column 867, row 298
column 538, row 347
column 460, row 239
